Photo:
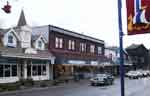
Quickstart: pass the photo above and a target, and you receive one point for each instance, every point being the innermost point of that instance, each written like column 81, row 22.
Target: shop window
column 7, row 70
column 44, row 70
column 1, row 71
column 14, row 70
column 39, row 69
column 34, row 70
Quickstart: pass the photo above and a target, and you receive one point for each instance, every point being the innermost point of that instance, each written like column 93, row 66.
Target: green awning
column 8, row 60
column 40, row 61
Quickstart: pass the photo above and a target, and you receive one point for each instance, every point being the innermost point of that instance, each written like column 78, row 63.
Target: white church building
column 24, row 55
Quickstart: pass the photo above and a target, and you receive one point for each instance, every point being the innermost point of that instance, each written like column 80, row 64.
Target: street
column 137, row 87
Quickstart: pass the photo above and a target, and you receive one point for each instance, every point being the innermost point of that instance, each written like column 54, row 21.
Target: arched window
column 10, row 39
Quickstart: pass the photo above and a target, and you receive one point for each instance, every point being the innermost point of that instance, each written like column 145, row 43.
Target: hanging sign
column 138, row 16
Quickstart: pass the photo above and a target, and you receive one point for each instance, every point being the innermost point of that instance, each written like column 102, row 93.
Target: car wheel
column 92, row 84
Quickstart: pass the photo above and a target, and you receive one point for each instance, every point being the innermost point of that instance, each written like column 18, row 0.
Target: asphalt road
column 138, row 87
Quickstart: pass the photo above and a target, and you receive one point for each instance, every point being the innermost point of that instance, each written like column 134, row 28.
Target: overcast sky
column 96, row 18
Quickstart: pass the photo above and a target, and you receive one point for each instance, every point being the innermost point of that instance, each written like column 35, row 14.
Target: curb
column 27, row 90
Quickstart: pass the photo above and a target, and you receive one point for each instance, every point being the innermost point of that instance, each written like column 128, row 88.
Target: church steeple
column 22, row 20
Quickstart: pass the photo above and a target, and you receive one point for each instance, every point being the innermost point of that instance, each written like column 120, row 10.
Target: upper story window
column 82, row 47
column 92, row 48
column 99, row 50
column 58, row 42
column 71, row 45
column 10, row 39
column 39, row 44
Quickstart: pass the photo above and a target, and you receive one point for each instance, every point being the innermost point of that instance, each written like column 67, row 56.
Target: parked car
column 102, row 79
column 137, row 74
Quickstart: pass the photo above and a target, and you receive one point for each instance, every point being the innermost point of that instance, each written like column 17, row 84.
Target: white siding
column 25, row 36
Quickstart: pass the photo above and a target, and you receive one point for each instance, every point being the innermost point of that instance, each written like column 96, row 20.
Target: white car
column 102, row 79
column 137, row 74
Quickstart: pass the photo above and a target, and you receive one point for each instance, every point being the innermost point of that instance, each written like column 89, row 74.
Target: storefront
column 8, row 70
column 69, row 68
column 22, row 66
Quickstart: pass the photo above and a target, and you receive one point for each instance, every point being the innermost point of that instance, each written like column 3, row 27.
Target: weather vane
column 7, row 8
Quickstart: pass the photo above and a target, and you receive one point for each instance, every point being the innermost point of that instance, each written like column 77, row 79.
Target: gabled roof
column 36, row 37
column 22, row 20
column 5, row 31
column 135, row 46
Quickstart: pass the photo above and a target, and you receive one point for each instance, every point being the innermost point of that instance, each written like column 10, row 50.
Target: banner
column 138, row 16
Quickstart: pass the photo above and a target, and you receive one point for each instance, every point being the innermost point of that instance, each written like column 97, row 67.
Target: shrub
column 9, row 86
column 43, row 84
column 27, row 82
column 55, row 82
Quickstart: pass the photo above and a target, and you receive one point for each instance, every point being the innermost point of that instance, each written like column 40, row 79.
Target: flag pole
column 121, row 47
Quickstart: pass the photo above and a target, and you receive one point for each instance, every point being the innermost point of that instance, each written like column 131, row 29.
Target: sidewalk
column 70, row 83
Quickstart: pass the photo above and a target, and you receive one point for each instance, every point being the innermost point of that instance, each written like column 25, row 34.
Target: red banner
column 138, row 16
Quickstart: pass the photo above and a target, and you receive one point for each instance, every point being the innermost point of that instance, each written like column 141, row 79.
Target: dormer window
column 10, row 39
column 40, row 44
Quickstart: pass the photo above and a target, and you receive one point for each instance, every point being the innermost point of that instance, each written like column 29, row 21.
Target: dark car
column 102, row 79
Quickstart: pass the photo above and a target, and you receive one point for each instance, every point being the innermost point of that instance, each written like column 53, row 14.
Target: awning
column 12, row 52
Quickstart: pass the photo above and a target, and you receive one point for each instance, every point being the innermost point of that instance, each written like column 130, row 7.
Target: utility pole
column 121, row 47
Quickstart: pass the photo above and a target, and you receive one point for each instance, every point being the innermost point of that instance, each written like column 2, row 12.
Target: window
column 14, row 70
column 34, row 70
column 7, row 70
column 44, row 70
column 40, row 44
column 99, row 50
column 38, row 70
column 92, row 48
column 71, row 45
column 82, row 47
column 1, row 71
column 10, row 39
column 58, row 42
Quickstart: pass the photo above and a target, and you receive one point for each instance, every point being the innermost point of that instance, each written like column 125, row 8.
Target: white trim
column 9, row 79
column 12, row 30
column 26, row 57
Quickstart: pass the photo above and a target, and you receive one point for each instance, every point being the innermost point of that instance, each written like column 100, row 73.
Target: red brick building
column 74, row 52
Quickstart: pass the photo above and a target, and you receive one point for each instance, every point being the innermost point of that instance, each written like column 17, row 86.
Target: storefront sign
column 94, row 62
column 76, row 62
